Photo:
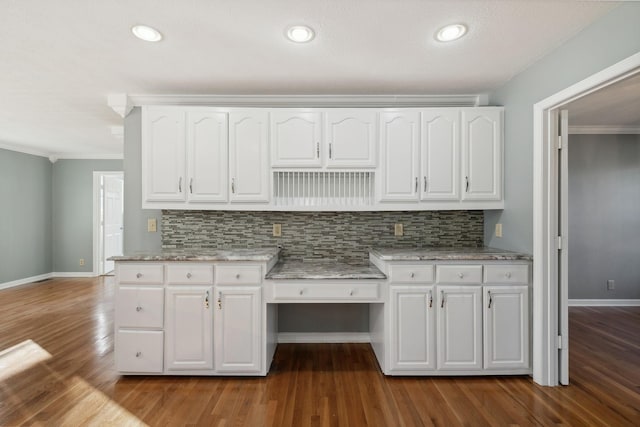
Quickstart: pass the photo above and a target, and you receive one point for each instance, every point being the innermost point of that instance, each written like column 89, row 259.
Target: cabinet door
column 350, row 136
column 189, row 328
column 440, row 154
column 295, row 138
column 207, row 140
column 459, row 327
column 399, row 140
column 238, row 333
column 163, row 155
column 412, row 328
column 482, row 154
column 506, row 327
column 248, row 156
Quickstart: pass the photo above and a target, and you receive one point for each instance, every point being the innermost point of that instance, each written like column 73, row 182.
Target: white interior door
column 112, row 214
column 563, row 253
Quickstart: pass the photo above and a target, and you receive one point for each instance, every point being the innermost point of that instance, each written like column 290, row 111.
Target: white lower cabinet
column 238, row 335
column 506, row 327
column 459, row 327
column 413, row 328
column 189, row 328
column 139, row 351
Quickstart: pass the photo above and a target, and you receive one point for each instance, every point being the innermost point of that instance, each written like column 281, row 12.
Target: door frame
column 98, row 230
column 546, row 286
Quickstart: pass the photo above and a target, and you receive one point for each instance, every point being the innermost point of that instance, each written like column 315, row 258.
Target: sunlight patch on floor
column 21, row 357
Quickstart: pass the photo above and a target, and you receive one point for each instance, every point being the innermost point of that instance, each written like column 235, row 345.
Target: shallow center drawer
column 465, row 274
column 411, row 273
column 238, row 274
column 140, row 273
column 190, row 274
column 517, row 274
column 325, row 291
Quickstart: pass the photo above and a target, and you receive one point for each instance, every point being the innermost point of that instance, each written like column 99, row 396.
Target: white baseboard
column 25, row 280
column 74, row 274
column 324, row 337
column 604, row 302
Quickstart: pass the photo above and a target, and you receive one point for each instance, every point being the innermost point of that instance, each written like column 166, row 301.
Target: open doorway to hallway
column 108, row 219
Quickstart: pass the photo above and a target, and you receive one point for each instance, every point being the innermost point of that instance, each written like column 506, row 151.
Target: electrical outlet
column 611, row 285
column 81, row 261
column 398, row 230
column 498, row 230
column 152, row 225
column 277, row 230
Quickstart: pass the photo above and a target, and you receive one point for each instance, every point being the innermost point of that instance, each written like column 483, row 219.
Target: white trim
column 324, row 337
column 604, row 130
column 120, row 103
column 545, row 226
column 88, row 156
column 311, row 100
column 64, row 274
column 26, row 280
column 24, row 150
column 604, row 303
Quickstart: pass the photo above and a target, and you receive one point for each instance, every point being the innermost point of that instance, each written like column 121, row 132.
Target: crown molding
column 604, row 130
column 87, row 156
column 120, row 103
column 24, row 150
column 379, row 101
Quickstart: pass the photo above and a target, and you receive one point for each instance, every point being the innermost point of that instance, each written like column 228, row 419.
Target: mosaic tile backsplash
column 341, row 236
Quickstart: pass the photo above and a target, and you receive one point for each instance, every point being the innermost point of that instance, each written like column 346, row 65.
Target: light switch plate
column 152, row 226
column 277, row 230
column 399, row 230
column 498, row 230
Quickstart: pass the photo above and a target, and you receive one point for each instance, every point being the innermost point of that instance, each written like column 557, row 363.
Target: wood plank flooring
column 60, row 371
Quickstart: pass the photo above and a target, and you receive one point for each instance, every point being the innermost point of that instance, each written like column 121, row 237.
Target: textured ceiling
column 60, row 59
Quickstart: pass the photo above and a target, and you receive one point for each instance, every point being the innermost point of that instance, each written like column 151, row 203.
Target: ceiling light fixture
column 146, row 33
column 300, row 34
column 451, row 32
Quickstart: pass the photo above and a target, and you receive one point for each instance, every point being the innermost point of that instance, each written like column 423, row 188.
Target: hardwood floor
column 62, row 373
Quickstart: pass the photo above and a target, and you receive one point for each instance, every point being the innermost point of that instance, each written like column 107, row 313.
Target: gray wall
column 72, row 182
column 25, row 216
column 604, row 216
column 612, row 38
column 136, row 237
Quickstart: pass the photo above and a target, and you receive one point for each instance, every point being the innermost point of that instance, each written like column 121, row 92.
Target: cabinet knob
column 139, row 275
column 138, row 308
column 188, row 275
column 507, row 275
column 351, row 292
column 301, row 291
column 461, row 275
column 413, row 275
column 238, row 276
column 139, row 354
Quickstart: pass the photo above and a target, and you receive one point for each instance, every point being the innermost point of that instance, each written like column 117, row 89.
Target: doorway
column 108, row 214
column 550, row 279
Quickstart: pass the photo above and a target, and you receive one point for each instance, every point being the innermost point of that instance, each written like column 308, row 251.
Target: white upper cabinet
column 350, row 136
column 295, row 138
column 399, row 147
column 482, row 154
column 207, row 137
column 440, row 154
column 248, row 156
column 163, row 155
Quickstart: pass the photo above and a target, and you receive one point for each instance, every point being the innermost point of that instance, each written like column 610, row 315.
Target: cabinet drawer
column 190, row 274
column 142, row 273
column 344, row 292
column 139, row 307
column 139, row 351
column 238, row 274
column 512, row 274
column 411, row 273
column 465, row 274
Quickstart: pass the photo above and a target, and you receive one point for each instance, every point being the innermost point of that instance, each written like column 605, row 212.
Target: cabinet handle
column 188, row 275
column 138, row 354
column 466, row 178
column 139, row 275
column 138, row 308
column 180, row 185
column 330, row 148
column 425, row 184
column 191, row 186
column 430, row 299
column 206, row 300
column 219, row 300
column 441, row 299
column 317, row 150
column 233, row 185
column 416, row 189
column 490, row 298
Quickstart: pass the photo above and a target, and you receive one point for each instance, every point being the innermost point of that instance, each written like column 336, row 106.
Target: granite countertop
column 448, row 254
column 259, row 254
column 302, row 270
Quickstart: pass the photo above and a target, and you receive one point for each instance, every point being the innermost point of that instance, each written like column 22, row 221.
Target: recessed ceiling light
column 300, row 34
column 146, row 33
column 451, row 32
